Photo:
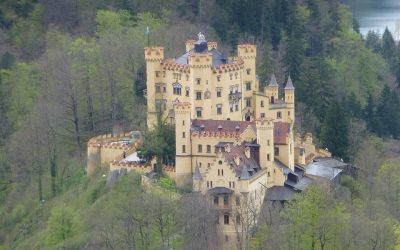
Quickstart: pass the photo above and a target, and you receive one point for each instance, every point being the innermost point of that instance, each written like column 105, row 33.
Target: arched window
column 177, row 88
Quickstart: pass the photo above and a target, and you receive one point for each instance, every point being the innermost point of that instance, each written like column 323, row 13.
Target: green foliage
column 167, row 184
column 157, row 143
column 62, row 225
column 335, row 131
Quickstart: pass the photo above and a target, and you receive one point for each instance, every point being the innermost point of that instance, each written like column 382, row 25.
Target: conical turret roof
column 289, row 83
column 196, row 174
column 244, row 175
column 273, row 82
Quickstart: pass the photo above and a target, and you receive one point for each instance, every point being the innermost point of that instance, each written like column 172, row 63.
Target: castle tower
column 289, row 99
column 271, row 91
column 265, row 138
column 248, row 53
column 153, row 57
column 200, row 63
column 183, row 161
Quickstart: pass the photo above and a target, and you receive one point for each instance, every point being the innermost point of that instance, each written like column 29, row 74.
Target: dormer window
column 177, row 88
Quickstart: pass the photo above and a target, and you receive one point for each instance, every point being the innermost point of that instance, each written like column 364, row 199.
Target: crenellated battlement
column 200, row 60
column 153, row 54
column 247, row 51
column 265, row 123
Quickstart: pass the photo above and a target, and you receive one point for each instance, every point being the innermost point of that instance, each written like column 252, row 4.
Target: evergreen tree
column 383, row 112
column 373, row 41
column 354, row 106
column 370, row 115
column 388, row 46
column 334, row 134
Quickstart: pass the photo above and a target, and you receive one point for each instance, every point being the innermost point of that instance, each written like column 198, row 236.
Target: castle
column 234, row 142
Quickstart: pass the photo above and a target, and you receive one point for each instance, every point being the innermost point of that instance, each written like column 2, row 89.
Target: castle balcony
column 145, row 93
column 235, row 96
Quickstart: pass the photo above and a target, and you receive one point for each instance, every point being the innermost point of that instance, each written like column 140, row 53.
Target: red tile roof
column 281, row 131
column 226, row 125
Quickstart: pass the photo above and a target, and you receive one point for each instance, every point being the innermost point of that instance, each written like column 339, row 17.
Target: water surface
column 377, row 15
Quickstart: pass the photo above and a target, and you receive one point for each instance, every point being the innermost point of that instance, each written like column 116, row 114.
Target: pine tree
column 370, row 115
column 334, row 134
column 388, row 46
column 383, row 111
column 373, row 41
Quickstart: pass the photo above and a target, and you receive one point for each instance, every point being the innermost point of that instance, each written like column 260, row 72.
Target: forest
column 70, row 70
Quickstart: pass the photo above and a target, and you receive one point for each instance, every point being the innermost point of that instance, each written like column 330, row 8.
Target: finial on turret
column 201, row 37
column 289, row 83
column 273, row 82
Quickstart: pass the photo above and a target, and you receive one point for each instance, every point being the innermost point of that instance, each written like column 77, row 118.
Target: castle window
column 230, row 76
column 183, row 148
column 218, row 78
column 219, row 109
column 236, row 107
column 268, row 158
column 248, row 101
column 209, row 165
column 248, row 71
column 262, row 115
column 215, row 199
column 276, row 151
column 268, row 142
column 208, row 184
column 288, row 113
column 237, row 199
column 219, row 91
column 269, row 174
column 157, row 73
column 198, row 95
column 278, row 115
column 262, row 104
column 200, row 148
column 183, row 134
column 198, row 112
column 233, row 184
column 177, row 88
column 226, row 219
column 208, row 148
column 163, row 73
column 211, row 184
column 237, row 219
column 183, row 123
column 198, row 80
column 187, row 91
column 158, row 88
column 220, row 162
column 218, row 173
column 230, row 184
column 222, row 172
column 248, row 85
column 226, row 200
column 164, row 89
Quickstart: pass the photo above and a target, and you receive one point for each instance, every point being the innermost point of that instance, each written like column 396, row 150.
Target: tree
column 335, row 131
column 373, row 41
column 62, row 225
column 159, row 143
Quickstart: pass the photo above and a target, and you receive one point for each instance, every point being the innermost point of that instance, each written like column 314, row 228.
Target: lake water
column 377, row 15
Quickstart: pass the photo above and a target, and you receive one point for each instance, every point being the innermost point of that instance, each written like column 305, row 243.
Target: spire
column 273, row 82
column 289, row 84
column 245, row 173
column 197, row 175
